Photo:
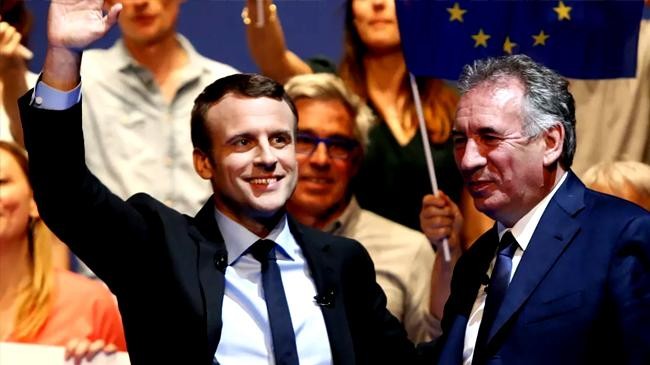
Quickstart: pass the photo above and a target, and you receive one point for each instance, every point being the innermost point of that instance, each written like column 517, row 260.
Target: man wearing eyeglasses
column 332, row 134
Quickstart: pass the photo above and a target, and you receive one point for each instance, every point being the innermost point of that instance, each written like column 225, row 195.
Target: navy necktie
column 284, row 339
column 496, row 291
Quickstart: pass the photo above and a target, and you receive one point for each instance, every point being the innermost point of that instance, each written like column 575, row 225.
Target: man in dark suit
column 564, row 275
column 197, row 290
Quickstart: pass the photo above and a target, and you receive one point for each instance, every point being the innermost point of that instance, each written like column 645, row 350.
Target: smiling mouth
column 380, row 21
column 317, row 180
column 477, row 186
column 263, row 180
column 144, row 18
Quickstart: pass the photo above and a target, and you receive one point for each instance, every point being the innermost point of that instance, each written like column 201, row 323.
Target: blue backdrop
column 312, row 27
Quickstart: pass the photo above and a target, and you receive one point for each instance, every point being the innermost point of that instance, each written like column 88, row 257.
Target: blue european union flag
column 592, row 39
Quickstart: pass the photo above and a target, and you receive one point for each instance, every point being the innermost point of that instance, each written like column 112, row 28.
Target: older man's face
column 324, row 172
column 502, row 167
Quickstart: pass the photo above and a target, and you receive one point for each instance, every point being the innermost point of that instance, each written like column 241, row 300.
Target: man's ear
column 553, row 144
column 202, row 164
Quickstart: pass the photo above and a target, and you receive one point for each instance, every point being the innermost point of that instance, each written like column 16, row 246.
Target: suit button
column 220, row 261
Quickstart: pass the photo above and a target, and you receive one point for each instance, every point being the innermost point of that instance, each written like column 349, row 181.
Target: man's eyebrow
column 239, row 135
column 487, row 130
column 456, row 132
column 280, row 130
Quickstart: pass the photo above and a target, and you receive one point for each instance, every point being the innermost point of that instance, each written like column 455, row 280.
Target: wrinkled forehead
column 490, row 103
column 499, row 89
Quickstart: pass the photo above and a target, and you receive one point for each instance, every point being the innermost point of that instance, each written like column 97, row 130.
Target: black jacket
column 167, row 269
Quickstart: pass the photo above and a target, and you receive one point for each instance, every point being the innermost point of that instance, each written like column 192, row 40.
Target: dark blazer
column 167, row 269
column 580, row 295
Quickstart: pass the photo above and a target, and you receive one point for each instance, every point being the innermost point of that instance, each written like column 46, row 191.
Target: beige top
column 613, row 116
column 403, row 261
column 5, row 131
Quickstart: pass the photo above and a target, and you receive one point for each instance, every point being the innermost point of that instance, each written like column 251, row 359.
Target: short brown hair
column 248, row 85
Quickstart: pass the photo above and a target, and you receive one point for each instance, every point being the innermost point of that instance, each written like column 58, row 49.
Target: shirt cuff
column 46, row 97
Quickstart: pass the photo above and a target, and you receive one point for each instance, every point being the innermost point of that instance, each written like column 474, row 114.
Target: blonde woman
column 40, row 304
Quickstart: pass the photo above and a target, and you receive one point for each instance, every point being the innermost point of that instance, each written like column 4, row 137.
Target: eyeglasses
column 338, row 148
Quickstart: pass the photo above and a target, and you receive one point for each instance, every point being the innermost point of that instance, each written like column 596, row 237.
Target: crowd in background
column 362, row 170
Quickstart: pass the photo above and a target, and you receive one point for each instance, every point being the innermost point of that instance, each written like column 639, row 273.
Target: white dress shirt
column 522, row 231
column 246, row 335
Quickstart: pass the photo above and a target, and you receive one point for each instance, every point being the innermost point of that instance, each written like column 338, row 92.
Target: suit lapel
column 212, row 262
column 452, row 351
column 555, row 231
column 477, row 266
column 319, row 258
column 466, row 283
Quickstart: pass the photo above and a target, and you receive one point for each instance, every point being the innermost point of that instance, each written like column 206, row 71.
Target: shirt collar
column 238, row 239
column 122, row 59
column 343, row 221
column 525, row 227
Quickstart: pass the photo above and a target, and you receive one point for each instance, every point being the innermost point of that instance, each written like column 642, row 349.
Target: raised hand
column 12, row 53
column 72, row 26
column 75, row 24
column 440, row 218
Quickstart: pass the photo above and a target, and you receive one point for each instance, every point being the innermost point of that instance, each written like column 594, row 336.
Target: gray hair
column 325, row 86
column 547, row 100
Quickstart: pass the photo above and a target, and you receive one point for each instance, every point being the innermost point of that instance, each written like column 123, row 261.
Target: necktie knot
column 263, row 250
column 508, row 245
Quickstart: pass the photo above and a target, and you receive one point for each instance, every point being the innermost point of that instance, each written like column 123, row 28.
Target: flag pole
column 427, row 153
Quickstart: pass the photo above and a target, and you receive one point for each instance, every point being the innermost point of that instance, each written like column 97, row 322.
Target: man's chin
column 265, row 211
column 484, row 206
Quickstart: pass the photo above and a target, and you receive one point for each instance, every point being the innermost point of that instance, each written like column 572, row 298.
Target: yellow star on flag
column 456, row 13
column 481, row 38
column 508, row 46
column 540, row 39
column 563, row 11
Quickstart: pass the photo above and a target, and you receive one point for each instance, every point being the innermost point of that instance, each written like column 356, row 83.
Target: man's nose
column 265, row 156
column 320, row 156
column 471, row 156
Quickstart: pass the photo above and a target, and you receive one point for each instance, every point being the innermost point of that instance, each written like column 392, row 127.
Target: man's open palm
column 75, row 24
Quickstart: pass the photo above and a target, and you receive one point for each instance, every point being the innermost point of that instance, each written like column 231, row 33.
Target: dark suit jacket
column 167, row 269
column 580, row 295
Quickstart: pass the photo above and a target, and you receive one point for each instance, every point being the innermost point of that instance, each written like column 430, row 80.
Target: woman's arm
column 267, row 44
